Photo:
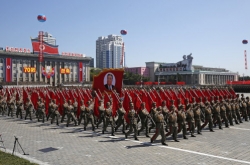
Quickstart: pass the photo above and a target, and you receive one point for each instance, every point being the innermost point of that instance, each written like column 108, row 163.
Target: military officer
column 229, row 111
column 223, row 112
column 197, row 116
column 133, row 117
column 89, row 115
column 82, row 112
column 237, row 110
column 50, row 107
column 144, row 114
column 109, row 118
column 75, row 105
column 243, row 106
column 233, row 106
column 159, row 126
column 152, row 114
column 70, row 113
column 28, row 108
column 55, row 113
column 11, row 105
column 208, row 116
column 101, row 110
column 65, row 110
column 165, row 112
column 19, row 105
column 181, row 120
column 41, row 110
column 190, row 117
column 216, row 114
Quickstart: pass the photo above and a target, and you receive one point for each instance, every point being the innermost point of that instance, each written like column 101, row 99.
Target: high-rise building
column 109, row 51
column 91, row 63
column 48, row 38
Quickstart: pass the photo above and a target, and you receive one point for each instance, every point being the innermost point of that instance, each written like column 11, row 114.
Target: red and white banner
column 108, row 80
column 80, row 72
column 8, row 70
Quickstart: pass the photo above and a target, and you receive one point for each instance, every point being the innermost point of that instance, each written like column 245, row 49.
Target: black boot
column 164, row 144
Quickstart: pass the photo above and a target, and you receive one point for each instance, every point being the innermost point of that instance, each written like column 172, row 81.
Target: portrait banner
column 108, row 80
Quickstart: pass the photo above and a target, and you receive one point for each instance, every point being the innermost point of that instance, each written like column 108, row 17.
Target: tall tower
column 48, row 38
column 109, row 51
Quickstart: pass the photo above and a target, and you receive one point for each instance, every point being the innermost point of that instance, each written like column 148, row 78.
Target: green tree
column 130, row 78
column 94, row 72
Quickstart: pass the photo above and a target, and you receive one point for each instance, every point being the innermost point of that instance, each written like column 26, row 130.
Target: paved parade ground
column 56, row 145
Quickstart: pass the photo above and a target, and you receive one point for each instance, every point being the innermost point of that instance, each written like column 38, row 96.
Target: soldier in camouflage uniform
column 248, row 106
column 50, row 107
column 179, row 104
column 216, row 114
column 233, row 106
column 172, row 121
column 28, row 109
column 202, row 107
column 82, row 112
column 237, row 110
column 133, row 117
column 19, row 105
column 55, row 113
column 208, row 116
column 243, row 107
column 144, row 116
column 223, row 113
column 70, row 113
column 11, row 105
column 65, row 110
column 181, row 120
column 229, row 111
column 159, row 126
column 190, row 117
column 3, row 105
column 109, row 118
column 101, row 110
column 121, row 120
column 165, row 112
column 89, row 115
column 75, row 105
column 41, row 110
column 152, row 114
column 197, row 116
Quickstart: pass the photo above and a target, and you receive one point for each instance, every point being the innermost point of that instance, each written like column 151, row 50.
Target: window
column 21, row 75
column 14, row 75
column 1, row 67
column 14, row 61
column 1, row 74
column 21, row 68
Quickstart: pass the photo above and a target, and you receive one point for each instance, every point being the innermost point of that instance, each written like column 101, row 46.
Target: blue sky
column 159, row 30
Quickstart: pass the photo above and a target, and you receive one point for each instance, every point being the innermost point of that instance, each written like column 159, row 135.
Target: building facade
column 48, row 38
column 92, row 63
column 109, row 52
column 144, row 71
column 24, row 67
column 190, row 74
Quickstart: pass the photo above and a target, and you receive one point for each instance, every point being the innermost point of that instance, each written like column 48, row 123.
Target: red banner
column 8, row 70
column 80, row 72
column 41, row 47
column 108, row 79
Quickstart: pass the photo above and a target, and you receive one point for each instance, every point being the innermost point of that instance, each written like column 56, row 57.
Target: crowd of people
column 167, row 111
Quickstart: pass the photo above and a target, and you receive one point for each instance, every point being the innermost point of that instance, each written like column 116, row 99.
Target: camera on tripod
column 16, row 142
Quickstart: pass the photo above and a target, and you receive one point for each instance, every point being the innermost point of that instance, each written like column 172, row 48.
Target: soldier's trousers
column 19, row 112
column 159, row 130
column 238, row 116
column 119, row 122
column 71, row 115
column 86, row 122
column 234, row 117
column 198, row 125
column 230, row 118
column 102, row 119
column 217, row 119
column 224, row 117
column 132, row 127
column 63, row 116
column 55, row 115
column 173, row 131
column 191, row 127
column 182, row 127
column 107, row 122
column 244, row 115
column 41, row 114
column 144, row 124
column 209, row 122
column 49, row 114
column 4, row 108
column 82, row 116
column 10, row 113
column 28, row 113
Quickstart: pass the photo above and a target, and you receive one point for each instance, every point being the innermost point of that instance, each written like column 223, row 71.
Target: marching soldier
column 202, row 107
column 237, row 110
column 65, row 110
column 179, row 104
column 208, row 116
column 121, row 120
column 165, row 112
column 190, row 117
column 159, row 126
column 89, row 115
column 229, row 111
column 181, row 120
column 133, row 117
column 216, row 114
column 19, row 105
column 233, row 106
column 101, row 110
column 152, row 114
column 55, row 113
column 50, row 109
column 41, row 110
column 197, row 116
column 75, row 105
column 243, row 106
column 109, row 118
column 11, row 105
column 4, row 105
column 82, row 113
column 223, row 113
column 248, row 106
column 144, row 114
column 70, row 113
column 28, row 108
column 172, row 121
